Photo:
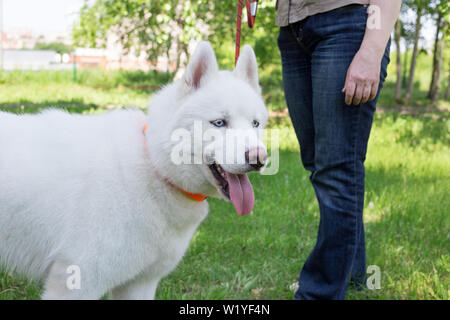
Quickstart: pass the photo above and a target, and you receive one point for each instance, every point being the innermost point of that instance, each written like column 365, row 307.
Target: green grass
column 260, row 256
column 406, row 219
column 30, row 91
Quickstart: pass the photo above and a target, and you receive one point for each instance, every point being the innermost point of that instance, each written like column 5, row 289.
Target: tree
column 447, row 91
column 402, row 31
column 419, row 7
column 161, row 27
column 155, row 27
column 59, row 47
column 263, row 37
column 398, row 83
column 441, row 11
column 408, row 31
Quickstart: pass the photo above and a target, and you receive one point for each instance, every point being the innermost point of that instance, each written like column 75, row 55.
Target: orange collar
column 194, row 196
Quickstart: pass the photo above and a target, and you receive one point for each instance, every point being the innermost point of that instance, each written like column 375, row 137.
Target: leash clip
column 254, row 8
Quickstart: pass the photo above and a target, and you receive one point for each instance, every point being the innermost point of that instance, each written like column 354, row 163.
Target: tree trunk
column 412, row 69
column 447, row 91
column 405, row 64
column 437, row 60
column 441, row 48
column 179, row 51
column 398, row 84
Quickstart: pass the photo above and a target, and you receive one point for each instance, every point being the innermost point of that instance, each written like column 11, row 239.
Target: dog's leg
column 68, row 281
column 140, row 288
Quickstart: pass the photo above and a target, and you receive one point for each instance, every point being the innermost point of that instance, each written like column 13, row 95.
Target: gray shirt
column 290, row 11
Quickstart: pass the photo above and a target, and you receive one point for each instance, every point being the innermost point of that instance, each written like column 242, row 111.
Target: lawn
column 259, row 256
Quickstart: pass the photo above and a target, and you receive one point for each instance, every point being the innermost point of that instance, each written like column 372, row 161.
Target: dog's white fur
column 88, row 190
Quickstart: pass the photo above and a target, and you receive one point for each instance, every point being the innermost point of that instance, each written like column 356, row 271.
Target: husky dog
column 96, row 204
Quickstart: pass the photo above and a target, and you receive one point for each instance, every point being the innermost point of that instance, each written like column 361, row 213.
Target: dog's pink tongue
column 241, row 193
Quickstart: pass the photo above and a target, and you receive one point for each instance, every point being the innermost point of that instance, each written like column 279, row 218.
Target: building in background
column 30, row 59
column 19, row 53
column 109, row 60
column 25, row 38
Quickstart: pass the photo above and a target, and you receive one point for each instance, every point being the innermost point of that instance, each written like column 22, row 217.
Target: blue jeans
column 316, row 53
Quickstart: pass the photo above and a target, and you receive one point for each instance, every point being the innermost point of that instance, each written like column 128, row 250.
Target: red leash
column 252, row 7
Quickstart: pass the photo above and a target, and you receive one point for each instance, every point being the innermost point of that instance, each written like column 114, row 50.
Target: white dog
column 97, row 204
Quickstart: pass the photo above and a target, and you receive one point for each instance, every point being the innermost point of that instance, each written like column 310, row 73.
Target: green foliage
column 59, row 47
column 262, row 37
column 159, row 26
column 141, row 25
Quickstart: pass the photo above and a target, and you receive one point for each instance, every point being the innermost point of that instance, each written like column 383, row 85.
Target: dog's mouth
column 220, row 177
column 235, row 187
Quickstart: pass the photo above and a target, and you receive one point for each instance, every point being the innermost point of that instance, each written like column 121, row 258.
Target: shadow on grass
column 28, row 106
column 24, row 106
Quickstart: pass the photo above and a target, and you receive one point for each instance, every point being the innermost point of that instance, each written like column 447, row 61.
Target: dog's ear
column 247, row 67
column 202, row 65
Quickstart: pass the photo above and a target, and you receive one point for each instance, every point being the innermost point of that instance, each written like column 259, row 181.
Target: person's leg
column 296, row 66
column 358, row 271
column 340, row 140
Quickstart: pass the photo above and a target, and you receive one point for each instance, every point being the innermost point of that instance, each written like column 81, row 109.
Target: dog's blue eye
column 255, row 123
column 219, row 123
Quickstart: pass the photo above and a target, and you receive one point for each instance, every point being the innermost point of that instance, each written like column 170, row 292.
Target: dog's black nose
column 256, row 158
column 257, row 165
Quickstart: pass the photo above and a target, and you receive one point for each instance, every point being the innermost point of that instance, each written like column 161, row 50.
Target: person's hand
column 363, row 78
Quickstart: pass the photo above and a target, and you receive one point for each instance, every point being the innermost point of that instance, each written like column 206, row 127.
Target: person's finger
column 374, row 90
column 358, row 93
column 366, row 93
column 349, row 92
